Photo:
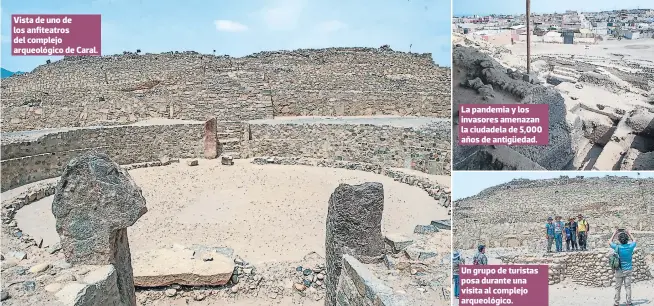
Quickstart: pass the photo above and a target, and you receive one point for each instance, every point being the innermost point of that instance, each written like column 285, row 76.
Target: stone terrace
column 123, row 89
column 518, row 209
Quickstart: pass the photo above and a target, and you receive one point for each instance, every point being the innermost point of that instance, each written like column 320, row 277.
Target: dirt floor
column 639, row 50
column 273, row 216
column 568, row 293
column 263, row 212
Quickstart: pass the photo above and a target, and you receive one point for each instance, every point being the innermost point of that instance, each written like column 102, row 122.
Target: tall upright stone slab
column 353, row 227
column 210, row 141
column 94, row 203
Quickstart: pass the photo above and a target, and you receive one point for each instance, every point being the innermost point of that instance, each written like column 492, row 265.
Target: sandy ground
column 250, row 301
column 606, row 54
column 592, row 95
column 265, row 213
column 642, row 50
column 568, row 293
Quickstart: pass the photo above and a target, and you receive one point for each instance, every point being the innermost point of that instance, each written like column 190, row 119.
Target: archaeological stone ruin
column 511, row 217
column 74, row 141
column 358, row 253
column 244, row 95
column 606, row 202
column 594, row 123
column 95, row 201
column 584, row 268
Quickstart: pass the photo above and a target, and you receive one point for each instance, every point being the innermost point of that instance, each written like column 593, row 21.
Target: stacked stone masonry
column 34, row 158
column 584, row 268
column 358, row 286
column 37, row 155
column 473, row 69
column 606, row 202
column 425, row 149
column 123, row 89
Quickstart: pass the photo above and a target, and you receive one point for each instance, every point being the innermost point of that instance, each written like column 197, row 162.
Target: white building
column 600, row 28
column 632, row 34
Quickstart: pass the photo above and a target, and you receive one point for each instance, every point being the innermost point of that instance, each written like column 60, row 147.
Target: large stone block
column 94, row 203
column 358, row 286
column 99, row 287
column 165, row 267
column 210, row 139
column 398, row 242
column 354, row 220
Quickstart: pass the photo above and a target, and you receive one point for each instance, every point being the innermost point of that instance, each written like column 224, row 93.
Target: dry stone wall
column 425, row 148
column 28, row 158
column 584, row 268
column 476, row 70
column 122, row 89
column 358, row 286
column 37, row 155
column 514, row 213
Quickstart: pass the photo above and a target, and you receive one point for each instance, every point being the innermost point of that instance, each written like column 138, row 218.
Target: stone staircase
column 230, row 135
column 563, row 74
column 568, row 72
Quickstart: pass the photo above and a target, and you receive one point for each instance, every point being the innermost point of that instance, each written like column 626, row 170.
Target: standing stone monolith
column 210, row 140
column 94, row 203
column 353, row 227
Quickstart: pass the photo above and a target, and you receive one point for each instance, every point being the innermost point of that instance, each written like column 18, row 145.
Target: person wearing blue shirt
column 457, row 261
column 558, row 233
column 549, row 228
column 623, row 275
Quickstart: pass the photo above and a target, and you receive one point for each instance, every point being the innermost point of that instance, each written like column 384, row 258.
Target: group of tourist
column 624, row 251
column 575, row 231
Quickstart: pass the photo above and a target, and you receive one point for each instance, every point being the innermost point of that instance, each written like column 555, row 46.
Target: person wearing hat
column 456, row 262
column 549, row 228
column 583, row 228
column 480, row 258
column 573, row 233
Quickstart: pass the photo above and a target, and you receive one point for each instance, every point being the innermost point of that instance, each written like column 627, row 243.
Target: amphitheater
column 514, row 233
column 236, row 159
column 601, row 113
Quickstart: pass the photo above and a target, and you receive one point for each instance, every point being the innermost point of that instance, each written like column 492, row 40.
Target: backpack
column 614, row 260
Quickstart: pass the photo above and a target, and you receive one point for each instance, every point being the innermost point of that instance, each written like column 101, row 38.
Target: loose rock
column 39, row 268
column 299, row 287
column 199, row 297
column 54, row 287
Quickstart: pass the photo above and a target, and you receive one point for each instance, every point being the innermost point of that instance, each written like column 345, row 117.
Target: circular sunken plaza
column 227, row 159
